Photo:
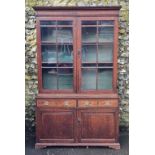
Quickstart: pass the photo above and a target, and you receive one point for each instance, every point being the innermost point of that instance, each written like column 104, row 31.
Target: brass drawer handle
column 87, row 103
column 107, row 103
column 66, row 104
column 46, row 103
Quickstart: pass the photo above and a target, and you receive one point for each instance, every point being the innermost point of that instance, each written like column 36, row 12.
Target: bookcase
column 77, row 103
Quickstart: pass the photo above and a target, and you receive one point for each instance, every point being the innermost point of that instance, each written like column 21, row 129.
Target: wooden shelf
column 97, row 25
column 61, row 26
column 55, row 43
column 57, row 67
column 98, row 67
column 97, row 43
column 58, row 62
column 97, row 62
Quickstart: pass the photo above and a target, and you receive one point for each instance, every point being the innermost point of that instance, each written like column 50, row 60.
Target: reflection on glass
column 89, row 34
column 49, row 53
column 64, row 22
column 105, row 53
column 89, row 22
column 42, row 23
column 89, row 53
column 105, row 34
column 49, row 78
column 64, row 34
column 48, row 34
column 89, row 65
column 65, row 78
column 106, row 22
column 105, row 79
column 46, row 23
column 88, row 79
column 65, row 53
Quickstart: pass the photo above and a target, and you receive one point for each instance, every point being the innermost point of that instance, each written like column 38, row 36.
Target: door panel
column 97, row 125
column 56, row 125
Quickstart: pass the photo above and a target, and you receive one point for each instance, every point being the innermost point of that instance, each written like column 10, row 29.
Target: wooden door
column 97, row 125
column 56, row 125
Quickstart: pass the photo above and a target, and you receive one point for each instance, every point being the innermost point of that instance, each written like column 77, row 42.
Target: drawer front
column 107, row 103
column 98, row 103
column 56, row 103
column 87, row 103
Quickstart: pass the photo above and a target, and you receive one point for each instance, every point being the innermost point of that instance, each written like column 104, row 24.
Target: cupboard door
column 57, row 55
column 97, row 125
column 56, row 125
column 97, row 48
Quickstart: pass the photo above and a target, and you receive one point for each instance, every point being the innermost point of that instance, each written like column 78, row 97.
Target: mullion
column 57, row 55
column 97, row 58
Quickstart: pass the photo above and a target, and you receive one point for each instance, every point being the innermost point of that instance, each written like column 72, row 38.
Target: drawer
column 108, row 103
column 57, row 103
column 87, row 103
column 98, row 103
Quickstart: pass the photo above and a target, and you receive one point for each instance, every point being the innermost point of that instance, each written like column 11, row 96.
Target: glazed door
column 96, row 54
column 57, row 54
column 97, row 125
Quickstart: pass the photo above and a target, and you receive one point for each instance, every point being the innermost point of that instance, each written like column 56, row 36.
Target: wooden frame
column 56, row 109
column 77, row 45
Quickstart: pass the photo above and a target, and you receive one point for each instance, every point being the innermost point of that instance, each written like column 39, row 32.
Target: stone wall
column 31, row 83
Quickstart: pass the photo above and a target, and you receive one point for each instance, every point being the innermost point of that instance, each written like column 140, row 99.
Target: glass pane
column 64, row 22
column 105, row 34
column 104, row 78
column 88, row 78
column 48, row 23
column 65, row 78
column 106, row 22
column 89, row 65
column 65, row 53
column 89, row 34
column 89, row 22
column 49, row 78
column 64, row 34
column 49, row 53
column 105, row 53
column 89, row 53
column 65, row 65
column 48, row 34
column 49, row 65
column 105, row 65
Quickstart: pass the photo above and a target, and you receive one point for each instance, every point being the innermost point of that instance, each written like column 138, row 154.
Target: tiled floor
column 124, row 141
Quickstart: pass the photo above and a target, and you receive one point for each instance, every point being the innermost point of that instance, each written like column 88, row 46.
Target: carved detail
column 38, row 146
column 116, row 146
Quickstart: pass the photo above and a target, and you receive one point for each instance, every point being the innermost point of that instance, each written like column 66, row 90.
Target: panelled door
column 97, row 125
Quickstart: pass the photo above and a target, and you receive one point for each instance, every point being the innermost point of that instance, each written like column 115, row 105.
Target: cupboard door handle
column 79, row 120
